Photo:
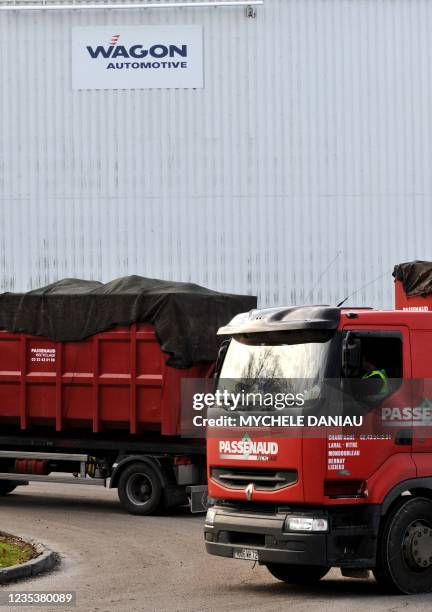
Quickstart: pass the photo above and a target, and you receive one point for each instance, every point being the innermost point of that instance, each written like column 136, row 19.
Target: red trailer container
column 416, row 303
column 413, row 287
column 86, row 399
column 115, row 380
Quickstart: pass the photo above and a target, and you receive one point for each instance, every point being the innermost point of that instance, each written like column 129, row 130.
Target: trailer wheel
column 139, row 489
column 7, row 486
column 297, row 574
column 404, row 561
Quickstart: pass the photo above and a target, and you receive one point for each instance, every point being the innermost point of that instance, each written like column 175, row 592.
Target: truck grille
column 263, row 480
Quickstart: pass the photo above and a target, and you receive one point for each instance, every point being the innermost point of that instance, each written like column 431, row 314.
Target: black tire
column 7, row 486
column 404, row 559
column 297, row 574
column 140, row 489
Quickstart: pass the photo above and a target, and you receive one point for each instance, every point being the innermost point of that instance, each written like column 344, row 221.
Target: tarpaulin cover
column 185, row 316
column 416, row 277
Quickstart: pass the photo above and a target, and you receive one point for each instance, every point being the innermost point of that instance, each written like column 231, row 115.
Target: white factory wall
column 310, row 143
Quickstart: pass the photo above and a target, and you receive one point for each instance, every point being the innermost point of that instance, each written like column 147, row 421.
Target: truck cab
column 302, row 499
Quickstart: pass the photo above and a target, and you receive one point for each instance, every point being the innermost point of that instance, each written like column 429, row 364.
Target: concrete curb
column 46, row 560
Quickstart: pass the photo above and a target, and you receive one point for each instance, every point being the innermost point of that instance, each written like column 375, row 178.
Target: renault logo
column 249, row 491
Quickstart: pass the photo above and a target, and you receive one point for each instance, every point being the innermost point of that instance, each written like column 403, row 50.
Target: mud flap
column 197, row 498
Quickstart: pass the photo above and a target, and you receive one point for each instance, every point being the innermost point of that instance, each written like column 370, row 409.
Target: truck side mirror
column 221, row 356
column 351, row 355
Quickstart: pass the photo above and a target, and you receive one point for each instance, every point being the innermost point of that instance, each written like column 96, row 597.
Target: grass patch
column 14, row 551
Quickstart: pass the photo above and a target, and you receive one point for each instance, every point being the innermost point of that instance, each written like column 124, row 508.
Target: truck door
column 385, row 349
column 422, row 384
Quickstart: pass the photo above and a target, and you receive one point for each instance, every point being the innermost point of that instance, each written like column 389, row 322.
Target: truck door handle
column 403, row 437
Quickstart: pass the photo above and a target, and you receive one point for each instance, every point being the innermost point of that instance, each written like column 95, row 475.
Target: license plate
column 247, row 554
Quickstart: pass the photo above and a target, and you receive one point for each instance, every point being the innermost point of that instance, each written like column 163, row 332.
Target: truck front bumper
column 350, row 540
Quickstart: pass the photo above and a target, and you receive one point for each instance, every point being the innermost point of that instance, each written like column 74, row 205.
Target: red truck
column 301, row 504
column 90, row 386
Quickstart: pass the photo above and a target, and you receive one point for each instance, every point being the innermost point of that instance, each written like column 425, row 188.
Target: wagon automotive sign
column 142, row 57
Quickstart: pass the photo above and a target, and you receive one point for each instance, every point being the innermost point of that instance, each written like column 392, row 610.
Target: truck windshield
column 297, row 367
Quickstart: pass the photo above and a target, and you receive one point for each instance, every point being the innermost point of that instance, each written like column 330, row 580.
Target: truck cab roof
column 288, row 318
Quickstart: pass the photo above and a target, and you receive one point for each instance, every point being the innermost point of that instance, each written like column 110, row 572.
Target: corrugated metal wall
column 310, row 143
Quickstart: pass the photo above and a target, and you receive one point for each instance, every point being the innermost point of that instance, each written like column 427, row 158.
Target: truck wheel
column 404, row 560
column 139, row 489
column 297, row 574
column 6, row 486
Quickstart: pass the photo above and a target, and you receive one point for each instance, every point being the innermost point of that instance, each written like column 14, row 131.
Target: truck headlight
column 210, row 517
column 305, row 523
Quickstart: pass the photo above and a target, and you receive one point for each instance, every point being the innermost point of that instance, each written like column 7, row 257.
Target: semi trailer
column 357, row 499
column 90, row 386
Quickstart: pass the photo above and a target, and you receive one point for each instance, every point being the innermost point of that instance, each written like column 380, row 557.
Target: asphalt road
column 118, row 562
